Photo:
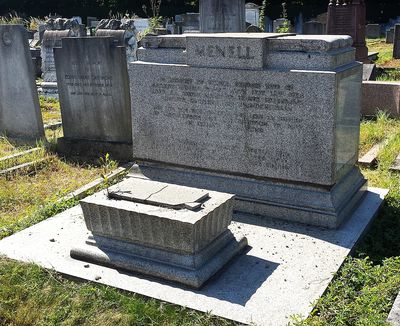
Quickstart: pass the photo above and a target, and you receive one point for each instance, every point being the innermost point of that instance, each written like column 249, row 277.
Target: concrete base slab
column 288, row 267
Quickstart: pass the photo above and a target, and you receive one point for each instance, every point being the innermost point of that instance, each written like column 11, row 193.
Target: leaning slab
column 162, row 230
column 288, row 267
column 20, row 116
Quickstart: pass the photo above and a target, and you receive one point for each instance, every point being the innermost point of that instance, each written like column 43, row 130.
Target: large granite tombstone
column 346, row 18
column 274, row 120
column 20, row 116
column 222, row 16
column 94, row 98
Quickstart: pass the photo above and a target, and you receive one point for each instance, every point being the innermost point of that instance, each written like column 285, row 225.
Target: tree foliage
column 377, row 11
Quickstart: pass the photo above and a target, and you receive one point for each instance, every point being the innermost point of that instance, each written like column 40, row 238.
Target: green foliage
column 361, row 294
column 107, row 165
column 13, row 18
column 263, row 10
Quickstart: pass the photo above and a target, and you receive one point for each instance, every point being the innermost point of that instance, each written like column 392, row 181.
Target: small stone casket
column 164, row 230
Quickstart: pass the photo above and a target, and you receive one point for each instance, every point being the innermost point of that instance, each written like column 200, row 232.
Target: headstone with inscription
column 346, row 18
column 272, row 118
column 20, row 116
column 94, row 98
column 222, row 16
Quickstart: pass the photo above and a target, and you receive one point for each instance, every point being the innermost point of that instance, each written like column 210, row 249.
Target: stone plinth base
column 179, row 268
column 92, row 150
column 304, row 203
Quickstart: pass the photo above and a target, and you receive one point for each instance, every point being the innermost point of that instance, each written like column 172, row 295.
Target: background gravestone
column 349, row 19
column 373, row 31
column 94, row 97
column 313, row 28
column 390, row 35
column 396, row 42
column 222, row 16
column 20, row 116
column 55, row 30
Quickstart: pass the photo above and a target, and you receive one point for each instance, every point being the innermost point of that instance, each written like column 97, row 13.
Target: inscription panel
column 94, row 89
column 266, row 124
column 227, row 53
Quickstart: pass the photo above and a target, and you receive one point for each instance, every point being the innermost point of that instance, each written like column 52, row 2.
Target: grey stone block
column 141, row 226
column 373, row 31
column 20, row 116
column 179, row 230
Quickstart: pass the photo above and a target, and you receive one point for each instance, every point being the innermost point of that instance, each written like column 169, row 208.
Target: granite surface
column 94, row 90
column 396, row 42
column 177, row 230
column 20, row 116
column 286, row 270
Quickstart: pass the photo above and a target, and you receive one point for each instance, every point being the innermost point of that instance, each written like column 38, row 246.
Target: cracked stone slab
column 288, row 267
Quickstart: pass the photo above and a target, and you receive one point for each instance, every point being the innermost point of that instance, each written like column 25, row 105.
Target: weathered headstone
column 313, row 28
column 252, row 13
column 123, row 32
column 373, row 31
column 190, row 22
column 222, row 16
column 346, row 18
column 390, row 35
column 55, row 31
column 298, row 24
column 20, row 116
column 94, row 97
column 274, row 120
column 396, row 42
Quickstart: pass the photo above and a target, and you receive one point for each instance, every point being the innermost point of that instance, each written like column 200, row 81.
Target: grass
column 361, row 293
column 385, row 50
column 50, row 110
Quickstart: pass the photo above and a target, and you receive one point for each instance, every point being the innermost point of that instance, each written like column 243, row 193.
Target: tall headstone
column 390, row 35
column 94, row 98
column 298, row 24
column 272, row 118
column 20, row 116
column 222, row 16
column 346, row 18
column 396, row 42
